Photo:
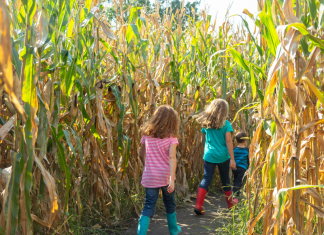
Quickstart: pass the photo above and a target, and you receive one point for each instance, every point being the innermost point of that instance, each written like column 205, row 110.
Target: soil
column 215, row 211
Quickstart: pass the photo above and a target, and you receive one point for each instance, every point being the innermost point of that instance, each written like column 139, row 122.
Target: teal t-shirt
column 215, row 145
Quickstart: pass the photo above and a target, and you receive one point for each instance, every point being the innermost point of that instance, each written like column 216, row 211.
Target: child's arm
column 173, row 166
column 229, row 144
column 142, row 154
column 248, row 157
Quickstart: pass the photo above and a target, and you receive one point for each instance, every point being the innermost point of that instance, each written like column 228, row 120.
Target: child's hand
column 233, row 164
column 171, row 186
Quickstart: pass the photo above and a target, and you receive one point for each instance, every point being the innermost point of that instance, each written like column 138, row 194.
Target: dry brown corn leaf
column 318, row 210
column 289, row 12
column 7, row 127
column 311, row 124
column 50, row 184
column 109, row 33
column 5, row 58
column 289, row 84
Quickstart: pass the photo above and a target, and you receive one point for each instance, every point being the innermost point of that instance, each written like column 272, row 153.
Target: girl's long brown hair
column 214, row 116
column 163, row 124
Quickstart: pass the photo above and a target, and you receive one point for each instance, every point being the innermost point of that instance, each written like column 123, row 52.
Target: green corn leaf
column 67, row 137
column 79, row 145
column 135, row 30
column 139, row 24
column 57, row 103
column 272, row 169
column 303, row 30
column 129, row 34
column 239, row 59
column 86, row 21
column 130, row 83
column 143, row 20
column 70, row 29
column 253, row 39
column 321, row 12
column 270, row 32
column 183, row 59
column 280, row 95
column 144, row 44
column 29, row 93
column 193, row 52
column 304, row 46
column 84, row 80
column 26, row 186
column 224, row 84
column 133, row 14
column 12, row 201
column 30, row 7
column 64, row 167
column 186, row 81
column 16, row 61
column 100, row 59
column 68, row 80
column 106, row 44
column 60, row 134
column 253, row 82
column 63, row 19
column 312, row 8
column 41, row 188
column 117, row 95
column 273, row 129
column 202, row 37
column 86, row 46
column 48, row 52
column 127, row 142
column 88, row 4
column 122, row 110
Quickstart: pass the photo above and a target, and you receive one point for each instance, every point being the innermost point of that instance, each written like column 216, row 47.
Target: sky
column 219, row 8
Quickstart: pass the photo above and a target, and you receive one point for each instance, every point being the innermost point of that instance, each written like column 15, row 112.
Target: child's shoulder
column 227, row 123
column 241, row 149
column 173, row 138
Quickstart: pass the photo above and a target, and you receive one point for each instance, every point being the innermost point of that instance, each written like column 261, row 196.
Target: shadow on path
column 214, row 206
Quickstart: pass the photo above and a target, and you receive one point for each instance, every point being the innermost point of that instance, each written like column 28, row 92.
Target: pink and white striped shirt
column 157, row 170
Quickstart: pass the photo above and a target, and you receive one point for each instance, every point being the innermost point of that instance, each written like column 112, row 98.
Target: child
column 158, row 154
column 241, row 156
column 218, row 151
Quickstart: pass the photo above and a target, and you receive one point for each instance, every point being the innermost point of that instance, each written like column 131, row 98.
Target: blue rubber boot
column 174, row 229
column 143, row 225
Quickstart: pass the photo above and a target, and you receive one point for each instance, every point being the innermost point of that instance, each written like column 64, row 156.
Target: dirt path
column 215, row 206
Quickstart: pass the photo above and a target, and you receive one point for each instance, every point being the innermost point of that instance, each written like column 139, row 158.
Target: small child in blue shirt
column 241, row 156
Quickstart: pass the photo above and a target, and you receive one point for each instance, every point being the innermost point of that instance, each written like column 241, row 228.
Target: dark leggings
column 209, row 169
column 238, row 180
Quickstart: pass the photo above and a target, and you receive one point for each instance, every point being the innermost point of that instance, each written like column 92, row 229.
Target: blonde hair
column 214, row 116
column 163, row 124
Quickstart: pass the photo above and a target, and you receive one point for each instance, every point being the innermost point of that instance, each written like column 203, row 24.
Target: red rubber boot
column 229, row 198
column 200, row 201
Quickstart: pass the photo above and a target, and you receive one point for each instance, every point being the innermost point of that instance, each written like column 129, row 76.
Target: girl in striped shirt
column 158, row 155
